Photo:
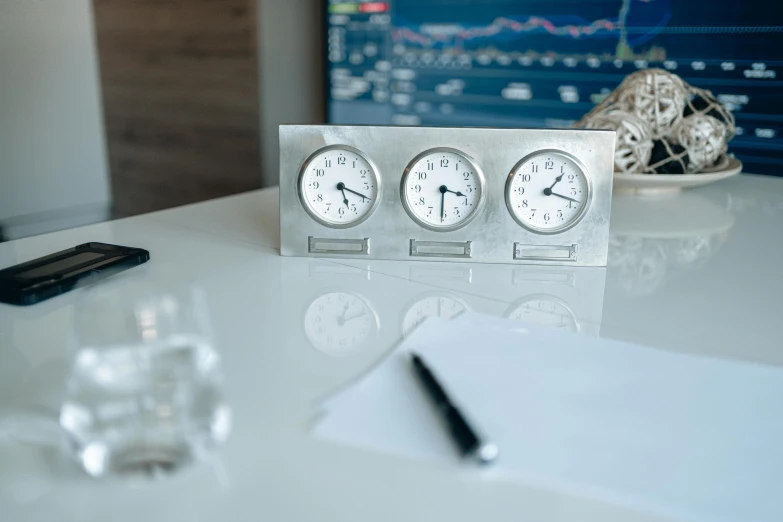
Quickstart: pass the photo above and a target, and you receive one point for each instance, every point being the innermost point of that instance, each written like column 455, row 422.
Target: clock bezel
column 311, row 211
column 562, row 228
column 447, row 228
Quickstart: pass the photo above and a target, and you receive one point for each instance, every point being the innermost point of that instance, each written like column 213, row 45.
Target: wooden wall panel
column 180, row 90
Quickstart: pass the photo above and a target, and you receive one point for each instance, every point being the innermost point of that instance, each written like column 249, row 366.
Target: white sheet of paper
column 691, row 437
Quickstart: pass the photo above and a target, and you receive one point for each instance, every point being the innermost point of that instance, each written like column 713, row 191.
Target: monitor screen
column 545, row 63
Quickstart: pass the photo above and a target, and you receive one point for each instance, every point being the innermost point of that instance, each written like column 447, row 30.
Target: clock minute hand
column 443, row 191
column 565, row 197
column 355, row 316
column 354, row 192
column 341, row 318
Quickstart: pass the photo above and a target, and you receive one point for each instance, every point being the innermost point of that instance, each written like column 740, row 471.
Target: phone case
column 46, row 277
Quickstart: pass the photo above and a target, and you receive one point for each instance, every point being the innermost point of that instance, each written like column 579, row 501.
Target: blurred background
column 111, row 108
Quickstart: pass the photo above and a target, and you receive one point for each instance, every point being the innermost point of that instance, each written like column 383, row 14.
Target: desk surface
column 696, row 273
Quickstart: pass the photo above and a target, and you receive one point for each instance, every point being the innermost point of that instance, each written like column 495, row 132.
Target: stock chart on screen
column 545, row 63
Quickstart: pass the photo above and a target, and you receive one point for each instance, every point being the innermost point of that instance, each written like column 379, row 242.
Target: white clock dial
column 442, row 306
column 339, row 186
column 442, row 189
column 340, row 323
column 548, row 192
column 545, row 310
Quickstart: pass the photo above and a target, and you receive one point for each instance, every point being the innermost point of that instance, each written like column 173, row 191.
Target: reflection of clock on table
column 435, row 305
column 546, row 310
column 340, row 323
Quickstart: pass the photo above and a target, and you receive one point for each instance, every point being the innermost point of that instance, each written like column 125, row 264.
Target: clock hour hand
column 564, row 197
column 341, row 188
column 458, row 193
column 557, row 180
column 354, row 192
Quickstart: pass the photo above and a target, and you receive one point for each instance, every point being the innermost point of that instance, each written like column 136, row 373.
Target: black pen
column 467, row 439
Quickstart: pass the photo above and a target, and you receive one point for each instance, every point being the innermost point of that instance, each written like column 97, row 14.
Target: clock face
column 340, row 323
column 442, row 306
column 548, row 192
column 442, row 189
column 545, row 310
column 339, row 186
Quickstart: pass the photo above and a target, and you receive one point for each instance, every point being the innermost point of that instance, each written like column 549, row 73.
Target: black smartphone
column 50, row 276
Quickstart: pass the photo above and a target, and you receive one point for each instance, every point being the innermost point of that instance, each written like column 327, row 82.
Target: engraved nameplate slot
column 319, row 245
column 524, row 252
column 441, row 248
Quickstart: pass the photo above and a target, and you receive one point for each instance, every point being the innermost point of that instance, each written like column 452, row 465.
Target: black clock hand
column 564, row 197
column 457, row 193
column 346, row 319
column 443, row 191
column 341, row 318
column 354, row 192
column 341, row 188
column 557, row 180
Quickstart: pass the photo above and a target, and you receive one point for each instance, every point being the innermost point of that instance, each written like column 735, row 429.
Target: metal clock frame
column 492, row 235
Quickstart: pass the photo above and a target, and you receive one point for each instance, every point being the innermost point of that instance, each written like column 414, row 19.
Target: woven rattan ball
column 704, row 138
column 634, row 142
column 664, row 125
column 656, row 97
column 704, row 102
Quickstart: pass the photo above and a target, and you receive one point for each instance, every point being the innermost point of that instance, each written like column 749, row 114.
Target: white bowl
column 662, row 183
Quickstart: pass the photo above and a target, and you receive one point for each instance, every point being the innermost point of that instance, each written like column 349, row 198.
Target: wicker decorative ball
column 634, row 138
column 654, row 96
column 663, row 125
column 704, row 138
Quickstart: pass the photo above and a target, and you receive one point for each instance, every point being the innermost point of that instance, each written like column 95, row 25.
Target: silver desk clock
column 461, row 194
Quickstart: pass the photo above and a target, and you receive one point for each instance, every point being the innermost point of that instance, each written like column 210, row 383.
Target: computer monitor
column 545, row 63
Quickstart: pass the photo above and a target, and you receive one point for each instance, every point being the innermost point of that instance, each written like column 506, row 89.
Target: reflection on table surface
column 719, row 297
column 676, row 261
column 697, row 271
column 653, row 239
column 347, row 310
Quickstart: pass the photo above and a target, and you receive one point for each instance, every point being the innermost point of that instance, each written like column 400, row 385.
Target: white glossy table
column 697, row 273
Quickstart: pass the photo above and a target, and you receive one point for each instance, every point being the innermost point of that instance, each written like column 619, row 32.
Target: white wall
column 53, row 163
column 291, row 72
